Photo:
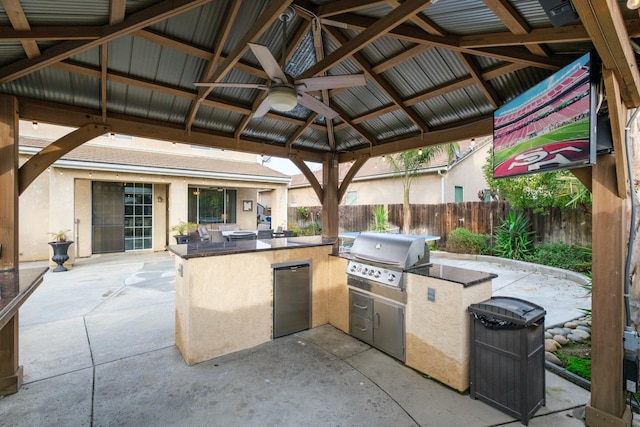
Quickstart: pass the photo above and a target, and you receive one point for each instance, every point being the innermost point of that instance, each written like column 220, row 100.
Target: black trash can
column 507, row 355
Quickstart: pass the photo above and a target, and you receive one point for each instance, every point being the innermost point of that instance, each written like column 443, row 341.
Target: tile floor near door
column 97, row 346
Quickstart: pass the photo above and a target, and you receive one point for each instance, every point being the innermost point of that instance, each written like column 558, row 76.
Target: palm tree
column 407, row 164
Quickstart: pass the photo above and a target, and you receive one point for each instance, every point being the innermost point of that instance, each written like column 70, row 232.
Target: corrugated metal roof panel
column 70, row 12
column 464, row 17
column 269, row 130
column 359, row 100
column 390, row 125
column 217, row 119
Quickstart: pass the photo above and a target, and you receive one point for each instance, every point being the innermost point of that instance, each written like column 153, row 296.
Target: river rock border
column 555, row 337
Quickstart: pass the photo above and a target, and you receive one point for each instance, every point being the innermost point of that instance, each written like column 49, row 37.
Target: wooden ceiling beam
column 103, row 79
column 145, row 84
column 232, row 13
column 472, row 129
column 605, row 25
column 19, row 21
column 189, row 49
column 423, row 22
column 344, row 6
column 514, row 22
column 353, row 170
column 476, row 74
column 400, row 58
column 136, row 21
column 376, row 30
column 416, row 35
column 313, row 180
column 361, row 61
column 316, row 32
column 161, row 130
column 117, row 11
column 40, row 161
column 266, row 19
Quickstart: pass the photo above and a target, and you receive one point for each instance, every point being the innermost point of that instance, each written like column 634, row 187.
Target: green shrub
column 379, row 219
column 513, row 238
column 462, row 240
column 561, row 255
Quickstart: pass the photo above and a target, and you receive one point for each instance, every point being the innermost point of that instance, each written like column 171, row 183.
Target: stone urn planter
column 60, row 255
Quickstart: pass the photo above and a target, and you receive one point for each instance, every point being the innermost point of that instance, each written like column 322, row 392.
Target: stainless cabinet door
column 388, row 328
column 291, row 300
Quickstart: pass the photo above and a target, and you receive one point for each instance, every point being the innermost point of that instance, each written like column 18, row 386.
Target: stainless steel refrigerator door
column 291, row 299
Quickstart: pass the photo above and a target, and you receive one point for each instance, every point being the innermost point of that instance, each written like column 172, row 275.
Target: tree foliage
column 539, row 191
column 408, row 164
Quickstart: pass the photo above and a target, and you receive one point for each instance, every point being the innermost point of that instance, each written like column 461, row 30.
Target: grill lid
column 398, row 250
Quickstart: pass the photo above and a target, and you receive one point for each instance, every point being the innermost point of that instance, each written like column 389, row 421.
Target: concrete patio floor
column 97, row 345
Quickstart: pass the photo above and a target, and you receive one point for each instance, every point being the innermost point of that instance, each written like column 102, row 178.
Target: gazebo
column 314, row 80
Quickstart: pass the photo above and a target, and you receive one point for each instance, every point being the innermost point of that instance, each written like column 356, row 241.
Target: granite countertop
column 15, row 288
column 449, row 273
column 206, row 249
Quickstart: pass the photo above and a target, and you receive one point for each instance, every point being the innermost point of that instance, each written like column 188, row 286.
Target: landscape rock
column 547, row 335
column 556, row 331
column 582, row 334
column 552, row 358
column 575, row 338
column 561, row 339
column 571, row 325
column 583, row 328
column 550, row 345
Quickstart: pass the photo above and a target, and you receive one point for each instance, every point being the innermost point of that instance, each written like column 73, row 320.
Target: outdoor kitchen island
column 224, row 291
column 225, row 296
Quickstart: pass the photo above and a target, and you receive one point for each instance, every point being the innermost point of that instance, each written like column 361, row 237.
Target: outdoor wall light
column 159, row 199
column 34, row 124
column 633, row 4
column 282, row 98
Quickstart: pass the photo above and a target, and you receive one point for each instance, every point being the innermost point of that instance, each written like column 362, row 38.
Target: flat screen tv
column 551, row 126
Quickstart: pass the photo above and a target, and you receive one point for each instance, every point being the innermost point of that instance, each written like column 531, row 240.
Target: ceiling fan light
column 282, row 98
column 633, row 4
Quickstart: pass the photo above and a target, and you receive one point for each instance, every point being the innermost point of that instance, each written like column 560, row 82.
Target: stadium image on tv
column 550, row 126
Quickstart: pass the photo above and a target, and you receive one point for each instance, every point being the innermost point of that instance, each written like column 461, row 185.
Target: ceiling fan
column 284, row 92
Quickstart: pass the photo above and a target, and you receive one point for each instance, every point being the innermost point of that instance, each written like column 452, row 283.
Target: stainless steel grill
column 382, row 258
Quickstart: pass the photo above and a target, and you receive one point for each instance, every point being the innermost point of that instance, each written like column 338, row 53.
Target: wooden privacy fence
column 572, row 227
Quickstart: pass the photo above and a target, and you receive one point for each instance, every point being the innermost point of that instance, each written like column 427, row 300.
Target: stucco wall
column 225, row 303
column 429, row 188
column 60, row 199
column 437, row 333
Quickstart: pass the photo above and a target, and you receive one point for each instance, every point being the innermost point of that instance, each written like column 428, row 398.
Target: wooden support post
column 330, row 201
column 10, row 372
column 607, row 405
column 8, row 182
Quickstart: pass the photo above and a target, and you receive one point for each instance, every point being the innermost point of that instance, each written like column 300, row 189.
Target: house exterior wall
column 430, row 188
column 60, row 199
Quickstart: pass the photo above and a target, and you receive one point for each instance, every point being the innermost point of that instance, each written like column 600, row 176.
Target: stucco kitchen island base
column 224, row 292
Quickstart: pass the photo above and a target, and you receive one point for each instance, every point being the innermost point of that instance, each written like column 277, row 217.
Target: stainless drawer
column 361, row 304
column 361, row 328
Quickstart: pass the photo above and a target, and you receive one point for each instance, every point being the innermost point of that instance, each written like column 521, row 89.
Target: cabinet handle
column 377, row 317
column 361, row 307
column 361, row 330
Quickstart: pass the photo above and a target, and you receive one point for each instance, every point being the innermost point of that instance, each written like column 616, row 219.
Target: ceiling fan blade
column 313, row 104
column 241, row 85
column 263, row 108
column 331, row 82
column 268, row 62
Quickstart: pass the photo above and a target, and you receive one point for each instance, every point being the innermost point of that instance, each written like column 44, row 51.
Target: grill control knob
column 391, row 277
column 353, row 268
column 376, row 274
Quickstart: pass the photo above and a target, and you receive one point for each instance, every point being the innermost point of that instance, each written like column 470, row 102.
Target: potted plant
column 182, row 229
column 60, row 246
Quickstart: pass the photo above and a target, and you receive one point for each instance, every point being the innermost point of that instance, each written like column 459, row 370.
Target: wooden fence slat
column 572, row 227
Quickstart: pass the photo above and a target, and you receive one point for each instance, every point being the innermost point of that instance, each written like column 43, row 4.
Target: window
column 459, row 194
column 352, row 198
column 212, row 205
column 138, row 216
